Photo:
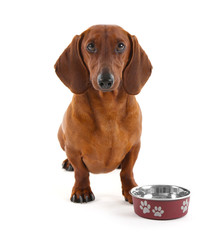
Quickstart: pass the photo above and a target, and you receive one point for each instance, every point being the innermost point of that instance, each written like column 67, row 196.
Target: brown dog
column 104, row 67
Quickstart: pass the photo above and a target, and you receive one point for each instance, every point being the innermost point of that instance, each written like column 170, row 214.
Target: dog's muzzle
column 105, row 80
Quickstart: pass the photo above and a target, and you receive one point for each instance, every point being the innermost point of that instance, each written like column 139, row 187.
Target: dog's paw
column 127, row 196
column 126, row 190
column 81, row 196
column 67, row 166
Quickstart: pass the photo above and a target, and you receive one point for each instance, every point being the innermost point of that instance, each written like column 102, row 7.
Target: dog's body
column 101, row 128
column 102, row 141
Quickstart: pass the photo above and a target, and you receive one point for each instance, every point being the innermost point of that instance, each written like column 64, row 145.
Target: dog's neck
column 112, row 103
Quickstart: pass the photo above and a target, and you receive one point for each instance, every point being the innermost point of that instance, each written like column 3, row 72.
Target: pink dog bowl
column 160, row 201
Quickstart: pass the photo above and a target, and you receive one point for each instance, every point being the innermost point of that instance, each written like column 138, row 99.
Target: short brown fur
column 102, row 130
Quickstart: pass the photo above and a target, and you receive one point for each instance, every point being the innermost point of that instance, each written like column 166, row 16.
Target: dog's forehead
column 103, row 31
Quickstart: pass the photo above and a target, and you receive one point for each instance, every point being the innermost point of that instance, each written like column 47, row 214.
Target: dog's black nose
column 105, row 80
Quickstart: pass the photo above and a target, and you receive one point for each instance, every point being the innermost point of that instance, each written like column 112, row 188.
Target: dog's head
column 104, row 56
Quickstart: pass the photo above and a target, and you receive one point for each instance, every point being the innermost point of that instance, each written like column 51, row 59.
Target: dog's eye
column 91, row 47
column 120, row 47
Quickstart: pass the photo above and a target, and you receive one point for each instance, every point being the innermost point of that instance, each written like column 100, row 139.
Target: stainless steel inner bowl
column 160, row 192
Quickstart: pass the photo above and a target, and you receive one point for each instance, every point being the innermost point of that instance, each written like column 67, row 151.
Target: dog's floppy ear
column 138, row 69
column 71, row 69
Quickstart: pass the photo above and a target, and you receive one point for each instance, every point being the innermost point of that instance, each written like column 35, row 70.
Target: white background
column 180, row 106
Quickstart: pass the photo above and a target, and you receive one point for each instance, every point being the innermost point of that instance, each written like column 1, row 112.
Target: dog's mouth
column 106, row 90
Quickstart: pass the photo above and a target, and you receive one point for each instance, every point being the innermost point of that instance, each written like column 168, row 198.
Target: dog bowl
column 160, row 201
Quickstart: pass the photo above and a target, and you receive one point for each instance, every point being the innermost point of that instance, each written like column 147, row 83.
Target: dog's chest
column 104, row 135
column 105, row 146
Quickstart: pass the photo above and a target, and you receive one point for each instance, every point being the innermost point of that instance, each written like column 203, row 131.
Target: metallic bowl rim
column 161, row 199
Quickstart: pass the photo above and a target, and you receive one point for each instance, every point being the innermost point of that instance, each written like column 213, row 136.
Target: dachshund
column 105, row 67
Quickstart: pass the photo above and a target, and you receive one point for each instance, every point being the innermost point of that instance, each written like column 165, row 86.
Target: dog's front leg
column 81, row 191
column 126, row 174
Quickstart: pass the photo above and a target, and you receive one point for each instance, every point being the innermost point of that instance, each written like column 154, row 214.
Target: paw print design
column 185, row 205
column 158, row 211
column 145, row 207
